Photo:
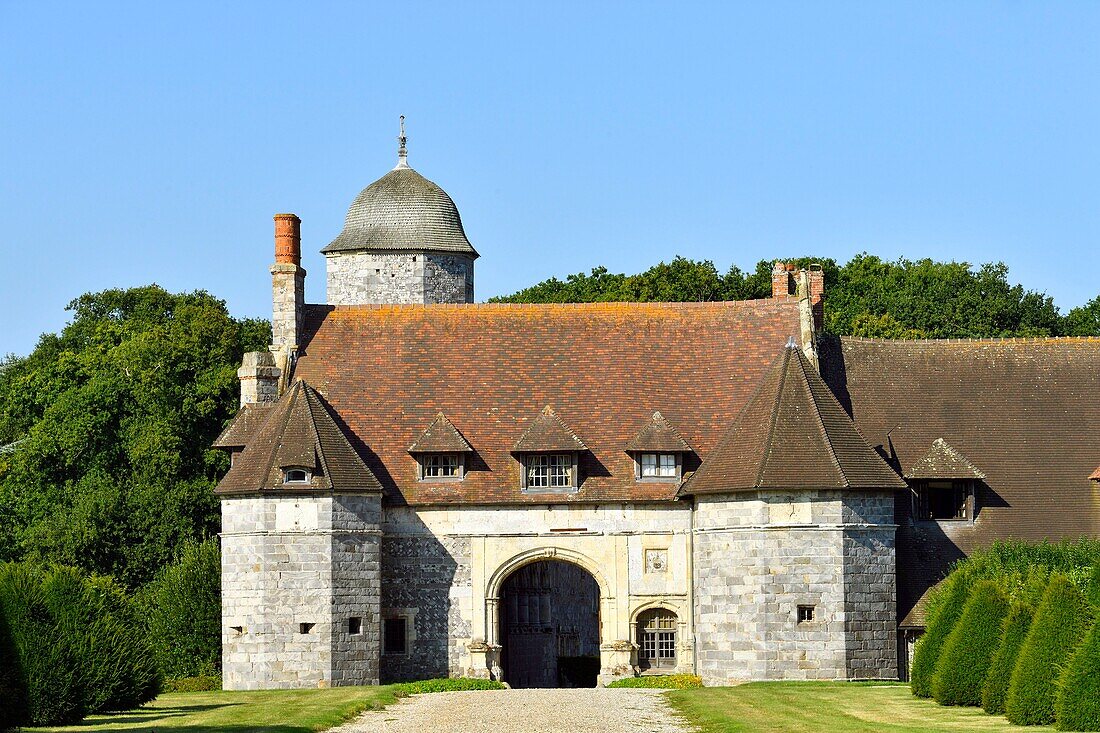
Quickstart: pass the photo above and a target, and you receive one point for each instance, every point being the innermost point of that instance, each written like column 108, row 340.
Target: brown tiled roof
column 299, row 432
column 944, row 462
column 547, row 432
column 1095, row 474
column 1023, row 410
column 440, row 437
column 793, row 434
column 247, row 420
column 658, row 436
column 388, row 370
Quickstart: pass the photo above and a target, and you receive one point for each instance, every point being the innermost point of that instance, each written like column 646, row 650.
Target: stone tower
column 794, row 560
column 402, row 242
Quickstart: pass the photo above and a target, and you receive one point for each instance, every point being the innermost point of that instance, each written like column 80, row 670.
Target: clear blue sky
column 152, row 142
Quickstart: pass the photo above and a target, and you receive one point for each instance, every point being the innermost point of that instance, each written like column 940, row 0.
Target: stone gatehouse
column 561, row 495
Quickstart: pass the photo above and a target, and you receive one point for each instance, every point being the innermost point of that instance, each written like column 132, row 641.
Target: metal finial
column 790, row 343
column 402, row 153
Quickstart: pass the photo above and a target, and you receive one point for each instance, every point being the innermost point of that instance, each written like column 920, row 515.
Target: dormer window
column 943, row 484
column 442, row 466
column 551, row 471
column 661, row 466
column 944, row 500
column 296, row 476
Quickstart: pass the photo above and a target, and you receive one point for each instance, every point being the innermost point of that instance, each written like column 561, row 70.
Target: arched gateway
column 544, row 612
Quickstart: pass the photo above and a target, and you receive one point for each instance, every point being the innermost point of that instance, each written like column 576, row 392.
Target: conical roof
column 299, row 432
column 944, row 462
column 547, row 432
column 792, row 434
column 658, row 436
column 402, row 210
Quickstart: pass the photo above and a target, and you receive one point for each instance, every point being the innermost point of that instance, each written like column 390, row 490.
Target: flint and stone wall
column 293, row 560
column 759, row 556
column 359, row 278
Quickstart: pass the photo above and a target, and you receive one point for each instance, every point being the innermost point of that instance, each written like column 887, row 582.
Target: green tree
column 946, row 607
column 114, row 416
column 1083, row 320
column 970, row 647
column 1059, row 623
column 1013, row 632
column 1078, row 702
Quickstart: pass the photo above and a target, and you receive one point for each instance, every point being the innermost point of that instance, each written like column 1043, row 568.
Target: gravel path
column 596, row 710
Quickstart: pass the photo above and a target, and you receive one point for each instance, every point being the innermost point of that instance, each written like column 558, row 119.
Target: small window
column 944, row 500
column 395, row 638
column 355, row 625
column 440, row 466
column 305, row 628
column 549, row 471
column 805, row 614
column 238, row 630
column 658, row 465
column 295, row 476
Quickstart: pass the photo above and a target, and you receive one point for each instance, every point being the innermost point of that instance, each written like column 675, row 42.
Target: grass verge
column 837, row 707
column 274, row 711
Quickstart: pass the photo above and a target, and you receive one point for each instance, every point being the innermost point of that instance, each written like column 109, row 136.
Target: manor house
column 561, row 495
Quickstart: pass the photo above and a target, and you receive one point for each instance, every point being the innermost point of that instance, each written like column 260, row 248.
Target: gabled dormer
column 548, row 452
column 441, row 451
column 658, row 451
column 944, row 484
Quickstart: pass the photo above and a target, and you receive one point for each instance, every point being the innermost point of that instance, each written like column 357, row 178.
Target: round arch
column 496, row 580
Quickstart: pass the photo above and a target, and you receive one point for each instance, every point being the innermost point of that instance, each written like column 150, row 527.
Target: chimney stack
column 782, row 280
column 288, row 292
column 259, row 378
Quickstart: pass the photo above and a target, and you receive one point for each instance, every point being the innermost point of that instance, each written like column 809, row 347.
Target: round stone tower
column 402, row 242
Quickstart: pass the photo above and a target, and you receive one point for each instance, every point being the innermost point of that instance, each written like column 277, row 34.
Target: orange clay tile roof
column 546, row 433
column 387, row 370
column 440, row 437
column 1023, row 410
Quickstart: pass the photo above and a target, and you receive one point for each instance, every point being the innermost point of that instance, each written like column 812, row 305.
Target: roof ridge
column 821, row 423
column 318, row 445
column 273, row 456
column 774, row 416
column 755, row 303
column 978, row 339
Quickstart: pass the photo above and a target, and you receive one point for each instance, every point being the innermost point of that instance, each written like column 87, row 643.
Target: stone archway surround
column 615, row 654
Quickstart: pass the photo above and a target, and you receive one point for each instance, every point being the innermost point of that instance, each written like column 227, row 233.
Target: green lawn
column 837, row 707
column 276, row 711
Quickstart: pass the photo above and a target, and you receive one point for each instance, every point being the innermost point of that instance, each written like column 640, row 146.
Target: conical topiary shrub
column 944, row 614
column 1014, row 631
column 1078, row 703
column 1059, row 623
column 968, row 651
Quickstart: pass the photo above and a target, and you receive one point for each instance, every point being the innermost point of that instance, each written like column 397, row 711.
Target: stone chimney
column 259, row 378
column 288, row 291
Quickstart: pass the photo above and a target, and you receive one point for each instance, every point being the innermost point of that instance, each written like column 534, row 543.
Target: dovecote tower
column 402, row 242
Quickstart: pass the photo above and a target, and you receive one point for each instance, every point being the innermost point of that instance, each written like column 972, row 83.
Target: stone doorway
column 550, row 626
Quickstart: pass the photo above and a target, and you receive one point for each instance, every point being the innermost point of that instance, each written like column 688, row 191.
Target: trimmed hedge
column 201, row 683
column 661, row 682
column 1078, row 702
column 446, row 684
column 183, row 607
column 947, row 607
column 13, row 698
column 1014, row 631
column 968, row 651
column 1059, row 623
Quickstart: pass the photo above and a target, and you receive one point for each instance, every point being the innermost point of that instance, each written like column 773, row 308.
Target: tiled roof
column 247, row 420
column 440, row 437
column 547, row 432
column 605, row 367
column 658, row 436
column 1095, row 474
column 944, row 462
column 1024, row 410
column 299, row 432
column 793, row 434
column 402, row 210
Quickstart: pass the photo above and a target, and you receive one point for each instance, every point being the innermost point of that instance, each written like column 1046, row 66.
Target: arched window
column 657, row 639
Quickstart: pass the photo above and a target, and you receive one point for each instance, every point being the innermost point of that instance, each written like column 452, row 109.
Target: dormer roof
column 240, row 429
column 944, row 462
column 658, row 436
column 1095, row 474
column 441, row 436
column 792, row 434
column 298, row 432
column 547, row 432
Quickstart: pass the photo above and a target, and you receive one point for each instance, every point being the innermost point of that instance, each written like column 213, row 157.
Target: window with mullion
column 658, row 465
column 441, row 466
column 549, row 471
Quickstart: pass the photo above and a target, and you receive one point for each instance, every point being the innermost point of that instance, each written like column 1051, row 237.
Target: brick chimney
column 288, row 292
column 783, row 281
